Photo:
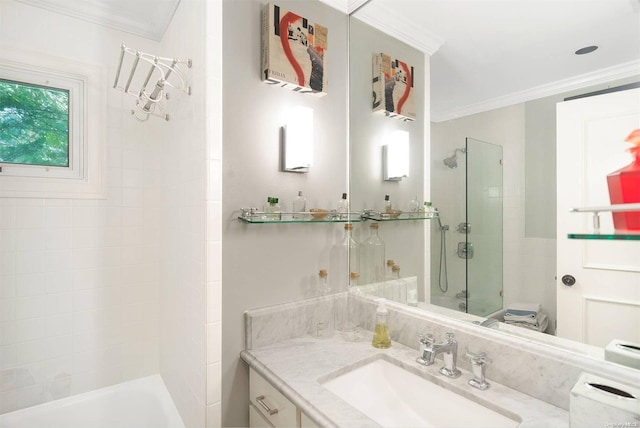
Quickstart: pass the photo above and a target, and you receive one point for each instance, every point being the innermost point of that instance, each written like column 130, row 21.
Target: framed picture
column 393, row 93
column 294, row 51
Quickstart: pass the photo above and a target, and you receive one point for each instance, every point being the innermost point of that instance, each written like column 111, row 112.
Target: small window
column 34, row 124
column 52, row 127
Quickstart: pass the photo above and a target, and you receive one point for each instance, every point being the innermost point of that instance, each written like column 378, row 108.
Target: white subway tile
column 30, row 329
column 29, row 396
column 29, row 262
column 58, row 346
column 7, row 357
column 214, row 386
column 59, row 325
column 7, row 333
column 7, row 240
column 58, row 239
column 214, row 341
column 30, row 284
column 214, row 415
column 58, row 216
column 30, row 216
column 7, row 286
column 58, row 261
column 8, row 263
column 30, row 352
column 7, row 310
column 59, row 282
column 29, row 307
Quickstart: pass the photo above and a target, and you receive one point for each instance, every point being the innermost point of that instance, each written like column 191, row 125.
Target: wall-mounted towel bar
column 164, row 73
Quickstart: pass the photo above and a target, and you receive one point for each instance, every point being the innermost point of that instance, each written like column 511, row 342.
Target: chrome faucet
column 490, row 322
column 430, row 350
column 478, row 364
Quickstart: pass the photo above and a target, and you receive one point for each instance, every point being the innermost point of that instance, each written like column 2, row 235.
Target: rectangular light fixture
column 297, row 140
column 395, row 156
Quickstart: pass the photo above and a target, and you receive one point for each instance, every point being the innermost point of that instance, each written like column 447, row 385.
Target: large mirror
column 490, row 89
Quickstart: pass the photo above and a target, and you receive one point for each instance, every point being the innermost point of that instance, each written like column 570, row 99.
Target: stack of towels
column 527, row 315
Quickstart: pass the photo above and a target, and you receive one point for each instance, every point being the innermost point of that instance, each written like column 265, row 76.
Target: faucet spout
column 449, row 349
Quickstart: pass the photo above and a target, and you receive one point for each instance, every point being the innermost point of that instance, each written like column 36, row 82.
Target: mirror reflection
column 489, row 164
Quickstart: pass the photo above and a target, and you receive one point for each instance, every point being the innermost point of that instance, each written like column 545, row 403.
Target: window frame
column 84, row 177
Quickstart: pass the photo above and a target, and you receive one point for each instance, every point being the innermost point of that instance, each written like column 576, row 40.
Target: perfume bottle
column 299, row 206
column 386, row 205
column 343, row 207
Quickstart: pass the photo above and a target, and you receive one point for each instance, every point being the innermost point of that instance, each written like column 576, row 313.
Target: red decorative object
column 624, row 187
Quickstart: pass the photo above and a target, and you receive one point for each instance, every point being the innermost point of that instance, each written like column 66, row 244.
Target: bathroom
column 131, row 285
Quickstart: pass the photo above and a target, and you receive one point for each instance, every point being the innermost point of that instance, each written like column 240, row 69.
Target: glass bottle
column 299, row 206
column 323, row 284
column 269, row 208
column 373, row 256
column 345, row 317
column 386, row 205
column 388, row 273
column 428, row 210
column 399, row 288
column 343, row 207
column 344, row 259
column 414, row 207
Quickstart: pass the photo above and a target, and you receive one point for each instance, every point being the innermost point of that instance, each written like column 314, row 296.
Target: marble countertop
column 295, row 366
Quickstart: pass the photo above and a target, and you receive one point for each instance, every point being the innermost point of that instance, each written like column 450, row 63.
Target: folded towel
column 540, row 321
column 524, row 306
column 541, row 327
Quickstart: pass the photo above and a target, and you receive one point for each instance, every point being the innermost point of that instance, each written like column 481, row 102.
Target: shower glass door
column 484, row 231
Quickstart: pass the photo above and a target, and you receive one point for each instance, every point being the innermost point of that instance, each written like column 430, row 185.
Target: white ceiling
column 485, row 53
column 146, row 18
column 492, row 53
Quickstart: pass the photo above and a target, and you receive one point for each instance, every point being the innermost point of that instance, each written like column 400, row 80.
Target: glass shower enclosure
column 484, row 232
column 466, row 273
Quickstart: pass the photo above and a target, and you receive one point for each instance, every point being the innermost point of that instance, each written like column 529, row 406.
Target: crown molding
column 100, row 13
column 604, row 75
column 386, row 19
column 345, row 6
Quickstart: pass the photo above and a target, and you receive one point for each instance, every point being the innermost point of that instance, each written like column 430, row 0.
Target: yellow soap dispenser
column 381, row 337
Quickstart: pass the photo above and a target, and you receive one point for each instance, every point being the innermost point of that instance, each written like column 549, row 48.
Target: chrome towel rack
column 163, row 73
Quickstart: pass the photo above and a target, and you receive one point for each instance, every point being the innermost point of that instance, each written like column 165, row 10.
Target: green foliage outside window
column 34, row 124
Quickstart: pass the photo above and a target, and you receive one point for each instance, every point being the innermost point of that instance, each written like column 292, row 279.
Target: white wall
column 269, row 264
column 79, row 278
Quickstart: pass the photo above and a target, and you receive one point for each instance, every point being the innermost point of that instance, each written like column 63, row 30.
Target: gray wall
column 269, row 264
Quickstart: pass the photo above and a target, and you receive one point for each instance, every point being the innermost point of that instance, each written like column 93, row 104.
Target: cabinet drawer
column 256, row 420
column 274, row 406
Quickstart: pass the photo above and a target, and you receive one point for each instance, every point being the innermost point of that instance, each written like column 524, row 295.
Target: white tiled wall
column 97, row 292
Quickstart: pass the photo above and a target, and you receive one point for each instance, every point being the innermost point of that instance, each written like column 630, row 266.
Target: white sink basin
column 394, row 397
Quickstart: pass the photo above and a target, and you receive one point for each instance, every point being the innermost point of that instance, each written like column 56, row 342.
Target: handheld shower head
column 452, row 161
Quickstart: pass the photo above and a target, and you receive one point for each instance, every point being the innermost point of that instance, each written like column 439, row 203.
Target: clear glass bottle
column 386, row 205
column 388, row 272
column 381, row 337
column 344, row 259
column 343, row 207
column 299, row 206
column 323, row 282
column 428, row 210
column 345, row 319
column 373, row 257
column 270, row 208
column 414, row 207
column 399, row 288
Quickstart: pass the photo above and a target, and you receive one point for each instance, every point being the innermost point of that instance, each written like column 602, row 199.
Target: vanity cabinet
column 269, row 408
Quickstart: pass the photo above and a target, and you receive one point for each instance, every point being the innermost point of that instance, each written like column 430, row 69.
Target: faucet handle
column 426, row 339
column 480, row 358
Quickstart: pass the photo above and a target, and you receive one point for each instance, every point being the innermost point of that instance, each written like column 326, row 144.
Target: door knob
column 568, row 280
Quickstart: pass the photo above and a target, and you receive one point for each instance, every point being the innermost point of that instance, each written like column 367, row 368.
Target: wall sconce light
column 297, row 140
column 395, row 156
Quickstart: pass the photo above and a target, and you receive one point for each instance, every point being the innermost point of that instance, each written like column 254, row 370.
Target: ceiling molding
column 386, row 19
column 605, row 75
column 120, row 18
column 345, row 6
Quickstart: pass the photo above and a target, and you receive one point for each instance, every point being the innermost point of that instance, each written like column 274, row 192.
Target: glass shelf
column 596, row 235
column 376, row 216
column 618, row 236
column 254, row 216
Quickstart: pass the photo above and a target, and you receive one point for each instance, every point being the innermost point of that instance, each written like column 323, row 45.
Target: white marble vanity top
column 296, row 367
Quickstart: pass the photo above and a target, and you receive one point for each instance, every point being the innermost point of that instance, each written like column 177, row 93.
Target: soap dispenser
column 381, row 337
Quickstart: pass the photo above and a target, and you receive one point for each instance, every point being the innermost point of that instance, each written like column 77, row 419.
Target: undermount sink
column 395, row 397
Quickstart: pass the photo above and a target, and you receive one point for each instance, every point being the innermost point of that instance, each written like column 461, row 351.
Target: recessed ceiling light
column 586, row 50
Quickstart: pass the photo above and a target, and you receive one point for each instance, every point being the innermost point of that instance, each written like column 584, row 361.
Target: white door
column 604, row 302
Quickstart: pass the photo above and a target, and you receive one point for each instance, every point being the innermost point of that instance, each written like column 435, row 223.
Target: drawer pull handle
column 260, row 400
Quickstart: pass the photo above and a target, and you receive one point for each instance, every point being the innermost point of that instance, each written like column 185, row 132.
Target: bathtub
column 140, row 403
